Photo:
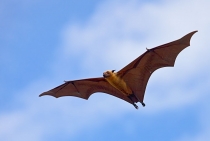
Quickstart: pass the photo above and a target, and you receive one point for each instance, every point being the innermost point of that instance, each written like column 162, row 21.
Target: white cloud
column 37, row 117
column 116, row 34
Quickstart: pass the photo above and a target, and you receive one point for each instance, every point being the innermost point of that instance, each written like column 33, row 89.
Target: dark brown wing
column 137, row 73
column 84, row 88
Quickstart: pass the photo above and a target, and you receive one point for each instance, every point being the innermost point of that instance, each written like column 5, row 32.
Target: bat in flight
column 130, row 82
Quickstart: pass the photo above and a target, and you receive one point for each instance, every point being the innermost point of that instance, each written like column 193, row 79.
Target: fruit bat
column 130, row 82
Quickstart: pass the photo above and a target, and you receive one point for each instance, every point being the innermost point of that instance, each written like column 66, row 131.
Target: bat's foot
column 143, row 104
column 134, row 100
column 135, row 106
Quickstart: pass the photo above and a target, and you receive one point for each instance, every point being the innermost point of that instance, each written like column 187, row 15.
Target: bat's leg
column 143, row 104
column 133, row 99
column 135, row 106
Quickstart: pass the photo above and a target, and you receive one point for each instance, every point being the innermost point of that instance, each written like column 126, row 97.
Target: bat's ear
column 113, row 71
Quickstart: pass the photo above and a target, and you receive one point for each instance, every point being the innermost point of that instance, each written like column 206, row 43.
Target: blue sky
column 43, row 43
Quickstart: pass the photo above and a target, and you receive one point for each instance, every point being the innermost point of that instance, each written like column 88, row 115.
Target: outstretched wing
column 84, row 88
column 137, row 73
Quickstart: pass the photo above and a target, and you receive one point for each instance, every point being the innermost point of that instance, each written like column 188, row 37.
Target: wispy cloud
column 114, row 35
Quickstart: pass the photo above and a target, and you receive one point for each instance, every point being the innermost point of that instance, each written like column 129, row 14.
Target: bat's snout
column 104, row 75
column 107, row 73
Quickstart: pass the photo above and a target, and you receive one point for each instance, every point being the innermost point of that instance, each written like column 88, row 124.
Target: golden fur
column 117, row 82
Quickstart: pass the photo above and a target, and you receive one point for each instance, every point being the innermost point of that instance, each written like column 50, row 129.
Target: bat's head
column 108, row 73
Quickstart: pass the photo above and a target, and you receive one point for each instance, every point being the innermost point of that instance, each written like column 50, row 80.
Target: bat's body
column 117, row 82
column 114, row 80
column 129, row 83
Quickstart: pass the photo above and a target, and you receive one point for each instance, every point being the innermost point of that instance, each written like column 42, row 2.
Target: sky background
column 43, row 43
